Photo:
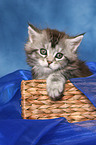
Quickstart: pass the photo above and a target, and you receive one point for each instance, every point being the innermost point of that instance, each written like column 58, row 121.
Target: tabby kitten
column 52, row 56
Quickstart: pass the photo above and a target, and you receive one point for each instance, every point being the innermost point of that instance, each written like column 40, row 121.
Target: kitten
column 52, row 56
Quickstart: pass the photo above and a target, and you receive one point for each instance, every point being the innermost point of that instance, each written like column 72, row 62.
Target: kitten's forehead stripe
column 55, row 36
column 48, row 45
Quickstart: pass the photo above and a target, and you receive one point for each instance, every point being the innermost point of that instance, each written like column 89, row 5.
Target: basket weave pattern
column 74, row 106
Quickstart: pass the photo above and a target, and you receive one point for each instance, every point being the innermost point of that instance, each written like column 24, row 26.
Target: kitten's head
column 50, row 49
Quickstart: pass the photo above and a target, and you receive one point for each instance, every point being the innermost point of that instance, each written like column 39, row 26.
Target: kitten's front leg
column 55, row 85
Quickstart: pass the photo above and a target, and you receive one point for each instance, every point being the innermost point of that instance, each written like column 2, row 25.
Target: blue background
column 72, row 16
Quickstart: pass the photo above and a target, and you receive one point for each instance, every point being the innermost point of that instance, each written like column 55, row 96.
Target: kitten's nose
column 49, row 62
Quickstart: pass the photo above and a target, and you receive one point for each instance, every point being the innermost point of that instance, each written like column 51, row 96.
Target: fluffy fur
column 52, row 56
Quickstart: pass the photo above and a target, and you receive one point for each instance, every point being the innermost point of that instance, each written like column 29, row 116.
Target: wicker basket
column 35, row 103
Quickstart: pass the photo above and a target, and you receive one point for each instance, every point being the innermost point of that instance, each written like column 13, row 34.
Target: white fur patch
column 43, row 63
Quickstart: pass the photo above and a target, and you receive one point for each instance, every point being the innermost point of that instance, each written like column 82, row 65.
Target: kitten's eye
column 59, row 55
column 43, row 51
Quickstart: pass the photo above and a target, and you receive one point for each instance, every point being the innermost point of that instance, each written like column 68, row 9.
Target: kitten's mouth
column 48, row 67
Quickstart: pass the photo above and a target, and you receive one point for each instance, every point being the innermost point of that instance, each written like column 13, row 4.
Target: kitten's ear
column 75, row 42
column 33, row 32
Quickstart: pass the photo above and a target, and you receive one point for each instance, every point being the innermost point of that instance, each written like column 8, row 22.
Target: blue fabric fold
column 16, row 131
column 87, row 86
column 92, row 66
column 47, row 132
column 10, row 84
column 20, row 132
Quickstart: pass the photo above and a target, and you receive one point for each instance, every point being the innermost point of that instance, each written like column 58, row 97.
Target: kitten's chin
column 47, row 70
column 54, row 67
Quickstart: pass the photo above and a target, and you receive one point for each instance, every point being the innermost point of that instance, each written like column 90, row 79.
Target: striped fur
column 59, row 70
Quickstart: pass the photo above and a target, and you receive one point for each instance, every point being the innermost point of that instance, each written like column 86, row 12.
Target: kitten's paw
column 55, row 87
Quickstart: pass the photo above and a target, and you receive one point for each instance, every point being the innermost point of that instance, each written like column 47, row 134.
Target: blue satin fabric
column 92, row 66
column 10, row 84
column 16, row 131
column 87, row 86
